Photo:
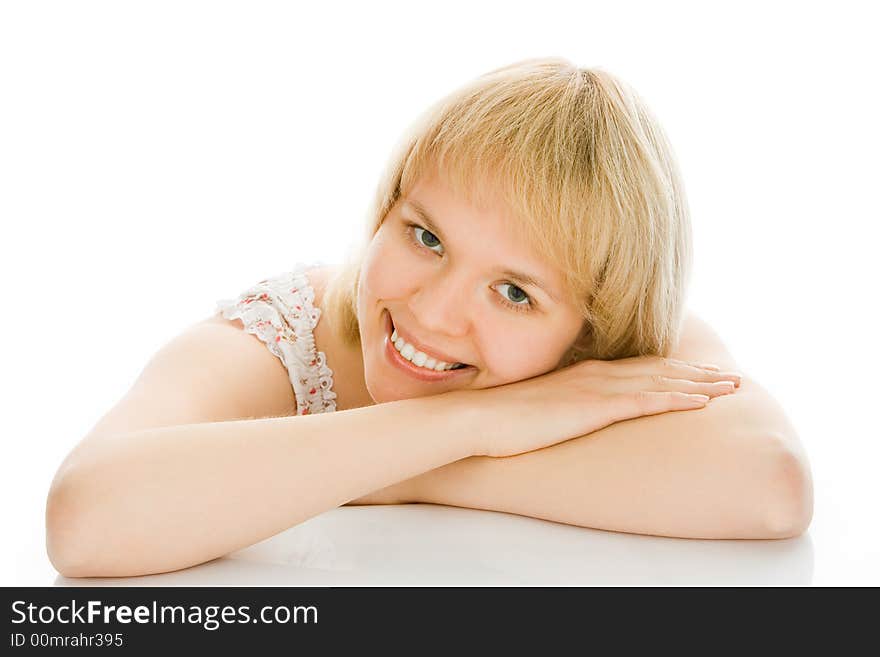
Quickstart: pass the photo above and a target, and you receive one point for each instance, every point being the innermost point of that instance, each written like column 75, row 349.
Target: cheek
column 381, row 273
column 512, row 355
column 380, row 278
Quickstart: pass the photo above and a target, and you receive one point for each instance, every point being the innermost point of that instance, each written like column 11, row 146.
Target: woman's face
column 438, row 271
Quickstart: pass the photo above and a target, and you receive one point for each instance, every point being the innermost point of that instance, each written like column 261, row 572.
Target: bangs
column 589, row 182
column 523, row 143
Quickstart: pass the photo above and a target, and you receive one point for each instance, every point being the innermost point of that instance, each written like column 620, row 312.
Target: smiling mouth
column 455, row 367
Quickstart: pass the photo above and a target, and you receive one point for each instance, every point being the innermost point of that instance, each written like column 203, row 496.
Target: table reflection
column 432, row 545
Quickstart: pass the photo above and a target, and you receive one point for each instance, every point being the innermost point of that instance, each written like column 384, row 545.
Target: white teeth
column 417, row 357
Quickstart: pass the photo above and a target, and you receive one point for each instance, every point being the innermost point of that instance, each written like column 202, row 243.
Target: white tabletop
column 424, row 544
column 429, row 544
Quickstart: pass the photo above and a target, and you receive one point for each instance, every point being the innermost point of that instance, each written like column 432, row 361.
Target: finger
column 704, row 372
column 660, row 383
column 644, row 402
column 669, row 367
column 716, row 372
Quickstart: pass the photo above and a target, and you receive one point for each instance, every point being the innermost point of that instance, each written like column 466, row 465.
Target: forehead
column 475, row 205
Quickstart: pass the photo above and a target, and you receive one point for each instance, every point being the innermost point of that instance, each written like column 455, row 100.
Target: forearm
column 162, row 499
column 733, row 469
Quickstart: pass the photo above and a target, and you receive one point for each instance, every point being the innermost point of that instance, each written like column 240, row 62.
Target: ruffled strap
column 280, row 311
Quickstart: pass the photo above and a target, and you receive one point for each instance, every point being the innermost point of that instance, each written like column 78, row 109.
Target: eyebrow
column 519, row 277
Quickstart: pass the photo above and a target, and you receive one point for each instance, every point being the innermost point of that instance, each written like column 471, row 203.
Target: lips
column 436, row 355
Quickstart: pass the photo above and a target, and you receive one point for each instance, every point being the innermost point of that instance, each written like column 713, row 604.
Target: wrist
column 474, row 419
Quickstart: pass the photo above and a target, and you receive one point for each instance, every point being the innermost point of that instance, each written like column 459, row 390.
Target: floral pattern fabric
column 280, row 311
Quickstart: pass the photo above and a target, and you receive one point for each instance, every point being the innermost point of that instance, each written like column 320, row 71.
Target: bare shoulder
column 318, row 278
column 211, row 371
column 345, row 361
column 700, row 342
column 254, row 381
column 262, row 370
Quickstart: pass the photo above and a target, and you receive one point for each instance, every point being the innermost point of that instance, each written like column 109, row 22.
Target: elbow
column 78, row 533
column 789, row 507
column 91, row 532
column 65, row 534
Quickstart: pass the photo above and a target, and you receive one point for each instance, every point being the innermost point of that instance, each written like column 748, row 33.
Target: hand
column 577, row 400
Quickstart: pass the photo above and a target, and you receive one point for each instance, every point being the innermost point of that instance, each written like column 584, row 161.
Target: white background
column 157, row 156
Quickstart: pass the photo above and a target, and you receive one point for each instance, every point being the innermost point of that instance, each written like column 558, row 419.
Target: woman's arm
column 166, row 498
column 733, row 469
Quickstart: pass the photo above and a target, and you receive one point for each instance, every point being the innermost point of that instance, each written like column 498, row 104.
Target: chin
column 382, row 393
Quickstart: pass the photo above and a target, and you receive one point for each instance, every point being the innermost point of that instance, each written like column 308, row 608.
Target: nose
column 439, row 306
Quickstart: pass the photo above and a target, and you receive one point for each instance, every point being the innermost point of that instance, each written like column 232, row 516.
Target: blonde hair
column 590, row 181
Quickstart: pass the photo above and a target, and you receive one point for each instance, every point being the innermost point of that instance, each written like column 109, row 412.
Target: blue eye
column 427, row 240
column 520, row 297
column 430, row 239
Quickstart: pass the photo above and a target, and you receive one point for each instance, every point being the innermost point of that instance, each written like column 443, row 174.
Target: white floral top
column 280, row 312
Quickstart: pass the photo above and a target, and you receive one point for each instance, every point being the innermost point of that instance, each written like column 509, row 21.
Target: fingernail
column 735, row 377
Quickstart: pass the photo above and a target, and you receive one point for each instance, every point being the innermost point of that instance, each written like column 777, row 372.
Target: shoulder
column 270, row 302
column 699, row 342
column 266, row 311
column 209, row 372
column 230, row 356
column 317, row 278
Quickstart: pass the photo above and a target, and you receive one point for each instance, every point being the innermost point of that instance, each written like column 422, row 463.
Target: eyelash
column 409, row 230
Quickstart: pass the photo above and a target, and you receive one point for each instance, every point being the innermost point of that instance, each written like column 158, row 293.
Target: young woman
column 509, row 335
